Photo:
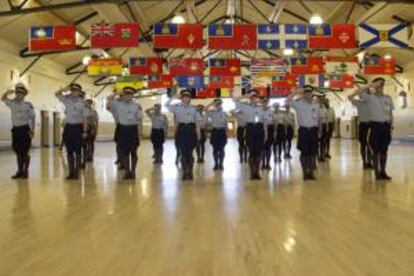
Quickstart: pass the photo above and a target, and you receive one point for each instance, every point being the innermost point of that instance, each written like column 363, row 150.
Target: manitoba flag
column 107, row 35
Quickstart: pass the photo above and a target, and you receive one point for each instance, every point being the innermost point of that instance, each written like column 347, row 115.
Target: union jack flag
column 103, row 29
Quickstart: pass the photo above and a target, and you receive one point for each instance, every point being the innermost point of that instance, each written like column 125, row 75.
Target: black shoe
column 279, row 159
column 17, row 175
column 268, row 167
column 385, row 176
column 215, row 168
column 220, row 167
column 328, row 156
column 263, row 167
column 117, row 162
column 370, row 166
column 321, row 159
column 311, row 176
column 70, row 176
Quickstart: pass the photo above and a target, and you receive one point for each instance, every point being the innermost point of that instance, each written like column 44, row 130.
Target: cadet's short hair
column 379, row 79
column 308, row 89
column 20, row 88
column 128, row 90
column 76, row 87
column 185, row 93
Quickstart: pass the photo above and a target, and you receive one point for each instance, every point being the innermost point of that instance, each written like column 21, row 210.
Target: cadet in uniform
column 279, row 121
column 187, row 133
column 116, row 133
column 380, row 107
column 256, row 132
column 201, row 145
column 241, row 134
column 269, row 122
column 218, row 121
column 159, row 130
column 92, row 120
column 290, row 126
column 309, row 116
column 323, row 132
column 23, row 121
column 130, row 126
column 363, row 128
column 330, row 116
column 75, row 126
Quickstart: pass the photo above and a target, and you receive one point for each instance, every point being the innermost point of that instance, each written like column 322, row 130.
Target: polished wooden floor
column 221, row 224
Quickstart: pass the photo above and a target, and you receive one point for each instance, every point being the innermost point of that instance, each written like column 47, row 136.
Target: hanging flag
column 196, row 82
column 221, row 82
column 374, row 65
column 107, row 35
column 130, row 81
column 313, row 80
column 268, row 66
column 52, row 38
column 186, row 66
column 280, row 92
column 342, row 65
column 336, row 36
column 282, row 36
column 340, row 81
column 105, row 67
column 383, row 35
column 206, row 92
column 225, row 67
column 310, row 65
column 145, row 66
column 232, row 36
column 261, row 81
column 160, row 81
column 167, row 35
column 284, row 81
column 268, row 36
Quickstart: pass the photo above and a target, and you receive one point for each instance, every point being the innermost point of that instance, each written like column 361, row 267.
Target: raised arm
column 149, row 111
column 60, row 91
column 5, row 95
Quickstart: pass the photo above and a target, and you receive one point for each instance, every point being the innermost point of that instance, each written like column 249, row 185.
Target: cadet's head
column 89, row 103
column 308, row 92
column 20, row 91
column 379, row 84
column 254, row 98
column 287, row 107
column 218, row 102
column 157, row 107
column 76, row 89
column 265, row 101
column 200, row 108
column 185, row 96
column 276, row 106
column 128, row 93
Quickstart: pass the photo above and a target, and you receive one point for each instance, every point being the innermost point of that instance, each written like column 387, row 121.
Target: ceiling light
column 178, row 19
column 388, row 56
column 85, row 60
column 288, row 52
column 316, row 19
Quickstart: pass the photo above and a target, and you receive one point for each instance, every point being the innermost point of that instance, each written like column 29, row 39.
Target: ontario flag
column 107, row 35
column 221, row 82
column 232, row 36
column 225, row 67
column 52, row 38
column 284, row 81
column 177, row 36
column 375, row 65
column 336, row 36
column 309, row 65
column 145, row 66
column 341, row 81
column 206, row 92
column 186, row 66
column 160, row 81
